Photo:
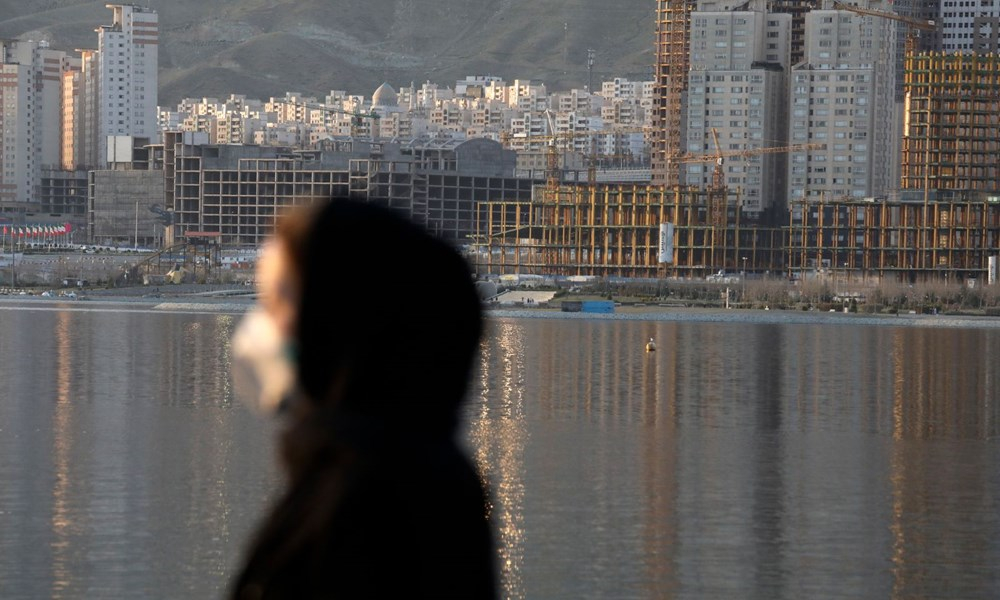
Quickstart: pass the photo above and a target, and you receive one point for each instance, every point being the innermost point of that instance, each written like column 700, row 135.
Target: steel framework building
column 951, row 137
column 905, row 238
column 614, row 231
column 673, row 25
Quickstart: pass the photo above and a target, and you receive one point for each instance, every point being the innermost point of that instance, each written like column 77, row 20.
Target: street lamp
column 846, row 281
column 744, row 278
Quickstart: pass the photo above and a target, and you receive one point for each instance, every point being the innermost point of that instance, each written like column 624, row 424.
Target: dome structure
column 385, row 96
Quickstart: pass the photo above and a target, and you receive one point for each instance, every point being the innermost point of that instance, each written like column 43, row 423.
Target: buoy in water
column 650, row 345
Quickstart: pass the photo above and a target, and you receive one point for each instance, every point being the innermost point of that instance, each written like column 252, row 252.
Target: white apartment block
column 292, row 108
column 482, row 111
column 842, row 96
column 738, row 92
column 528, row 132
column 31, row 96
column 447, row 117
column 579, row 101
column 402, row 125
column 527, row 96
column 475, row 85
column 127, row 59
column 428, row 96
column 627, row 103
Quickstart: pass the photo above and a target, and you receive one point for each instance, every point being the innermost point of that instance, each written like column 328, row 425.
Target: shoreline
column 195, row 299
column 751, row 316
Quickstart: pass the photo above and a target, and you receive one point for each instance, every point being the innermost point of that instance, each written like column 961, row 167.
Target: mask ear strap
column 291, row 353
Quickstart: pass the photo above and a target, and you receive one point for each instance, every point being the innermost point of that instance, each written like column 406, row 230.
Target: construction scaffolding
column 673, row 25
column 951, row 135
column 952, row 235
column 614, row 231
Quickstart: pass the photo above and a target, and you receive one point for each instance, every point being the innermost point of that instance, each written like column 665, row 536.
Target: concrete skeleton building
column 951, row 135
column 237, row 191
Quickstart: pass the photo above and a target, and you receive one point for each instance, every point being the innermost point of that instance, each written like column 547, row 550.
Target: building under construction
column 947, row 235
column 944, row 222
column 615, row 231
column 951, row 133
column 673, row 25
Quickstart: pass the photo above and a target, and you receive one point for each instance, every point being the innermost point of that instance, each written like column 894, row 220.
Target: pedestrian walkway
column 525, row 297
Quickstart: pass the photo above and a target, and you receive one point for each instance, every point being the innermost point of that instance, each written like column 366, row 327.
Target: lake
column 784, row 456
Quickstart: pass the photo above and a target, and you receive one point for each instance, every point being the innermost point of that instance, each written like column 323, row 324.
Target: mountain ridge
column 263, row 48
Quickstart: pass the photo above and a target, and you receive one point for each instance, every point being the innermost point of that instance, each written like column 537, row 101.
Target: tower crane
column 913, row 24
column 717, row 192
column 552, row 156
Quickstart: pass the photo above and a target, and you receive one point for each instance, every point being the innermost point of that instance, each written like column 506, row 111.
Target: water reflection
column 769, row 495
column 740, row 460
column 499, row 434
column 61, row 516
column 123, row 470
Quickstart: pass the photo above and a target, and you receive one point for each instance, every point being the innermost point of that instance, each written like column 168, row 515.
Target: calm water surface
column 760, row 460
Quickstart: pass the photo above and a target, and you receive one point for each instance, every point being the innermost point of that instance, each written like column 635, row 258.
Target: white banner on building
column 666, row 243
column 994, row 270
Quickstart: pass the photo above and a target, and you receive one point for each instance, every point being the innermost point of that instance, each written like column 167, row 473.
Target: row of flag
column 31, row 231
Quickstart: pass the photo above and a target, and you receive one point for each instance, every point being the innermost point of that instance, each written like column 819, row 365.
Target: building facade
column 843, row 96
column 127, row 80
column 237, row 191
column 737, row 93
column 31, row 76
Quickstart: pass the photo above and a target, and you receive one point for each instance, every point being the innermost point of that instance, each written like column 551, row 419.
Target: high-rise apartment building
column 31, row 76
column 737, row 93
column 798, row 10
column 843, row 96
column 126, row 91
column 968, row 26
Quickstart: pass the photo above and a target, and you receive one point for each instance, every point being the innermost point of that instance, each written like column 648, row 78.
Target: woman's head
column 384, row 318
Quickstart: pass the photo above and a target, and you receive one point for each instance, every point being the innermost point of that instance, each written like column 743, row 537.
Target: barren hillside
column 266, row 47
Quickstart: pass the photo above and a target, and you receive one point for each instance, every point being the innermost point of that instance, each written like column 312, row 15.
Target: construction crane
column 718, row 176
column 913, row 25
column 552, row 174
column 689, row 158
column 717, row 191
column 553, row 146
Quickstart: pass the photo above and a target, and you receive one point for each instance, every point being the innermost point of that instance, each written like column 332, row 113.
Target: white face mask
column 263, row 368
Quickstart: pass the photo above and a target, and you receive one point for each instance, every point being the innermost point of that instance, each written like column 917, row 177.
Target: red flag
column 5, row 230
column 69, row 228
